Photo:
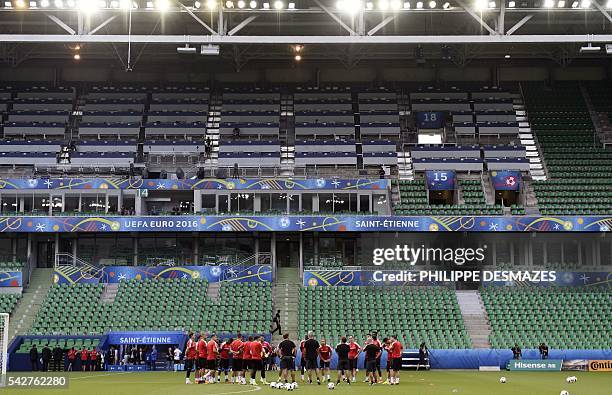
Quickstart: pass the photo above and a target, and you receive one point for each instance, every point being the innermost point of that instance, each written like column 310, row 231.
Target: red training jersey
column 84, row 354
column 212, row 349
column 325, row 352
column 256, row 349
column 353, row 350
column 201, row 346
column 225, row 351
column 71, row 355
column 246, row 350
column 93, row 355
column 302, row 346
column 237, row 348
column 396, row 349
column 191, row 351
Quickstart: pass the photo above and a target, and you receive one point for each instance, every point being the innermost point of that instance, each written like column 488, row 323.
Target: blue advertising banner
column 147, row 337
column 180, row 185
column 506, row 180
column 213, row 274
column 305, row 223
column 430, row 119
column 336, row 278
column 11, row 279
column 440, row 180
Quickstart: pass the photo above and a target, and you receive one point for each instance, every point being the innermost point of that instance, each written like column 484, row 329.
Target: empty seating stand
column 379, row 152
column 324, row 113
column 379, row 114
column 250, row 114
column 249, row 153
column 325, row 153
column 178, row 112
column 414, row 314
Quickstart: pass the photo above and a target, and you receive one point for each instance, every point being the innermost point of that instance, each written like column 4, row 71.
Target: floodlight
column 507, row 56
column 589, row 48
column 241, row 4
column 44, row 3
column 8, row 4
column 575, row 4
column 115, row 4
column 253, row 4
column 609, row 4
column 492, row 4
column 228, row 4
column 150, row 5
column 395, row 5
column 266, row 6
column 291, row 6
column 279, row 5
column 446, row 5
column 585, row 3
column 369, row 5
column 33, row 4
column 298, row 57
column 350, row 6
column 432, row 4
column 419, row 5
column 197, row 5
column 77, row 56
column 186, row 50
column 481, row 5
column 20, row 4
column 58, row 4
column 549, row 3
column 71, row 3
column 561, row 4
column 211, row 4
column 511, row 4
column 406, row 5
column 162, row 5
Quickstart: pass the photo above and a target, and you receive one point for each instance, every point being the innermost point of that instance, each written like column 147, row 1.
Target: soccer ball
column 273, row 384
column 288, row 387
column 331, row 386
column 502, row 379
column 279, row 386
column 564, row 392
column 295, row 385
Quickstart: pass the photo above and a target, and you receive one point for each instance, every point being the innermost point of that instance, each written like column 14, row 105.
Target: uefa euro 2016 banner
column 180, row 185
column 305, row 223
column 339, row 278
column 116, row 274
column 11, row 278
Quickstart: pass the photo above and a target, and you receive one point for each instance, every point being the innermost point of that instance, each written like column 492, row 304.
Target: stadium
column 232, row 197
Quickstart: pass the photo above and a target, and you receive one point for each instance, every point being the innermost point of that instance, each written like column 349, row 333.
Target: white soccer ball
column 295, row 385
column 331, row 386
column 279, row 386
column 502, row 379
column 273, row 384
column 574, row 379
column 571, row 379
column 288, row 387
column 564, row 392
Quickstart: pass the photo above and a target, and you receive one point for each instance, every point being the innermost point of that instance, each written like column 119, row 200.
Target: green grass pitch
column 420, row 383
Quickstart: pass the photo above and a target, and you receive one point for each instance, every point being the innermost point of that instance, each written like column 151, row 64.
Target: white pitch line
column 99, row 375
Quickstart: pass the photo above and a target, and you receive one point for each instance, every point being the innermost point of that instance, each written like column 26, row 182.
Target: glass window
column 208, row 203
column 264, row 202
column 364, row 203
column 326, row 202
column 341, row 202
column 10, row 203
column 353, row 202
column 71, row 203
column 294, row 203
column 570, row 251
column 279, row 202
column 380, row 204
column 224, row 204
column 57, row 206
column 92, row 203
column 605, row 252
column 113, row 204
column 129, row 204
column 307, row 201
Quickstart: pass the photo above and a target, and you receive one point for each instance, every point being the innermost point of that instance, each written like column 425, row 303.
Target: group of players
column 249, row 355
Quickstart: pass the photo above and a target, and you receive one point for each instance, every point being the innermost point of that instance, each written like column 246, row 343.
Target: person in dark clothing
column 34, row 358
column 342, row 350
column 286, row 353
column 517, row 353
column 543, row 350
column 276, row 322
column 58, row 359
column 236, row 133
column 208, row 148
column 311, row 348
column 372, row 352
column 423, row 351
column 46, row 357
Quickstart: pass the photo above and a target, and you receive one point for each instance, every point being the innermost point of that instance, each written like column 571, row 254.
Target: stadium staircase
column 25, row 312
column 213, row 291
column 537, row 168
column 109, row 293
column 286, row 298
column 212, row 126
column 474, row 318
column 287, row 133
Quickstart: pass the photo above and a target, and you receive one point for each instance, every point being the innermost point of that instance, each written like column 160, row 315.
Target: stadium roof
column 347, row 30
